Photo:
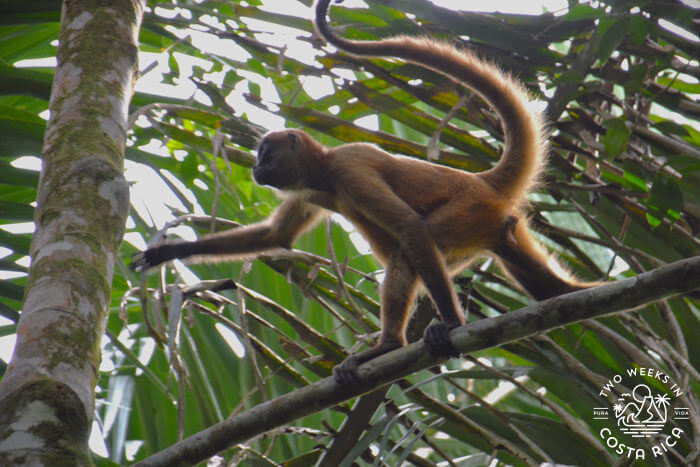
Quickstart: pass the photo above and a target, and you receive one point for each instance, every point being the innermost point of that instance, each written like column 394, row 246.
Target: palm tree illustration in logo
column 644, row 415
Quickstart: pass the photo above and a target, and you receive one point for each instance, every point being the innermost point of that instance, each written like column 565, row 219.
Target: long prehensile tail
column 525, row 145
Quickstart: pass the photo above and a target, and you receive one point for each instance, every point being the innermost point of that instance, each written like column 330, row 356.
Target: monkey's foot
column 346, row 373
column 438, row 342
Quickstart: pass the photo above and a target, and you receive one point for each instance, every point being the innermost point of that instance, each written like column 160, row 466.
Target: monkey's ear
column 293, row 139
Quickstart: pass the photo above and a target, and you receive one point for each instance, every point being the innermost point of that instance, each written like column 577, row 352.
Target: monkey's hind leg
column 437, row 336
column 397, row 293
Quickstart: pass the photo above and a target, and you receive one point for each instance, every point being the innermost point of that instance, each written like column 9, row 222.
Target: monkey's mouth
column 261, row 175
column 264, row 175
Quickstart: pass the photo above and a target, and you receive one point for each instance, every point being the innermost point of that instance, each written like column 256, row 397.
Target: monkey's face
column 278, row 160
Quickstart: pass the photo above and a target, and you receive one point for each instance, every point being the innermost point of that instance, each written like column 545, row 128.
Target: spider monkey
column 424, row 222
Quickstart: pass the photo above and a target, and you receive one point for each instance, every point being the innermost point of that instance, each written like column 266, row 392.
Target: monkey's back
column 455, row 206
column 422, row 185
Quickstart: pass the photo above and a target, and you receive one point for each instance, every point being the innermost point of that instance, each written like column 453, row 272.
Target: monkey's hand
column 151, row 257
column 438, row 342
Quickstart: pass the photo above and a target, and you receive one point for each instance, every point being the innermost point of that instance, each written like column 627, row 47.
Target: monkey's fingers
column 438, row 342
column 138, row 262
column 346, row 373
column 145, row 259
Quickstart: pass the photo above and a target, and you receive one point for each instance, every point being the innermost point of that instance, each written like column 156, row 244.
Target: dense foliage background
column 619, row 84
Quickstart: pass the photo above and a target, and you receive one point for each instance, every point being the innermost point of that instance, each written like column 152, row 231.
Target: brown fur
column 424, row 222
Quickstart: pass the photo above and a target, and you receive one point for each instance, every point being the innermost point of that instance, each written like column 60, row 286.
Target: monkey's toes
column 438, row 341
column 346, row 373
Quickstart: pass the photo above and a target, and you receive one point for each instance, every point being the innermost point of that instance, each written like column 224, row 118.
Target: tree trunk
column 47, row 393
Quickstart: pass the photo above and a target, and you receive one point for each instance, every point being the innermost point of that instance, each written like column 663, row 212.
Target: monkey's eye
column 264, row 153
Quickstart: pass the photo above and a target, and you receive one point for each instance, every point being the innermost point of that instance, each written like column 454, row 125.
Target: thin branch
column 352, row 428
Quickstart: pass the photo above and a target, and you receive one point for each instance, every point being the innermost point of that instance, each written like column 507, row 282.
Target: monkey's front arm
column 289, row 220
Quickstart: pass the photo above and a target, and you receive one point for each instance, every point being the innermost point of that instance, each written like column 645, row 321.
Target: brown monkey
column 424, row 222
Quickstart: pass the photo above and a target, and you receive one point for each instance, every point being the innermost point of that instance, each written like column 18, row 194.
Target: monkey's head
column 284, row 158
